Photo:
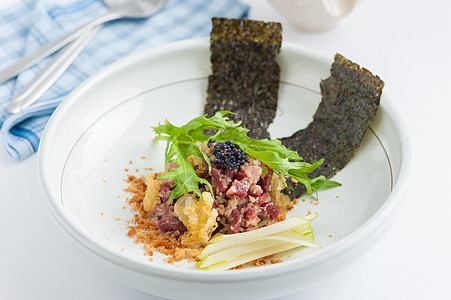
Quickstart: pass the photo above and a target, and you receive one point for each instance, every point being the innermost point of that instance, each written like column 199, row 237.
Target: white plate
column 105, row 127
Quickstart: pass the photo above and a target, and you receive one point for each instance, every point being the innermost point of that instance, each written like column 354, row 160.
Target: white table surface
column 408, row 44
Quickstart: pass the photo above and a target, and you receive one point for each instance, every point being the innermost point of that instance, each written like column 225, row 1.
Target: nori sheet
column 245, row 74
column 350, row 99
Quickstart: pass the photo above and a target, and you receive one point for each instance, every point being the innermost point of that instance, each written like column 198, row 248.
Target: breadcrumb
column 275, row 261
column 143, row 230
column 314, row 202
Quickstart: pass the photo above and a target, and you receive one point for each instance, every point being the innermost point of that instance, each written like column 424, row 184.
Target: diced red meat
column 262, row 199
column 236, row 220
column 167, row 186
column 239, row 212
column 250, row 211
column 165, row 189
column 263, row 215
column 167, row 220
column 231, row 191
column 239, row 189
column 269, row 209
column 253, row 172
column 221, row 180
column 266, row 181
column 255, row 190
column 240, row 174
column 230, row 174
column 273, row 210
column 251, row 215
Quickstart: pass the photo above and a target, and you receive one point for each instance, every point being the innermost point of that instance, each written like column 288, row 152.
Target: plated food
column 82, row 167
column 213, row 186
column 218, row 179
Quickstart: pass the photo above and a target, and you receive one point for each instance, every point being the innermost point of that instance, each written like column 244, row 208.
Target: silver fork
column 45, row 79
column 47, row 76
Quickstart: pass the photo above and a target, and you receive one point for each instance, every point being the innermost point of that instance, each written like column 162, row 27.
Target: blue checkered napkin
column 29, row 24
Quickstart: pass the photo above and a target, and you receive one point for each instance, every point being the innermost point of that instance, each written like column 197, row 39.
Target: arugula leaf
column 181, row 144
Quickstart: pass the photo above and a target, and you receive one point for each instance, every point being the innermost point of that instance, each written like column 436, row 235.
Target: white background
column 408, row 44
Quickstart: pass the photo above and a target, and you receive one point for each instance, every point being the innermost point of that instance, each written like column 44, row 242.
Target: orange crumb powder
column 314, row 202
column 143, row 230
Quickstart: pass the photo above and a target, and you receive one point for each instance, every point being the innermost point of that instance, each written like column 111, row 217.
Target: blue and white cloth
column 27, row 25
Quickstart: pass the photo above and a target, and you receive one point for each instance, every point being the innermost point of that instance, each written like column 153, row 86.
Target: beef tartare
column 246, row 196
column 220, row 184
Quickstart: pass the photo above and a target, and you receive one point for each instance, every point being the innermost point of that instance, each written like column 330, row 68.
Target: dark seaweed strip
column 245, row 74
column 350, row 99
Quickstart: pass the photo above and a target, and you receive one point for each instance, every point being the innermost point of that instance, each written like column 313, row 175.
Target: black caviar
column 229, row 156
column 210, row 142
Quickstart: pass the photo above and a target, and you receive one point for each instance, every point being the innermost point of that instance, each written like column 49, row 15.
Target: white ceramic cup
column 313, row 15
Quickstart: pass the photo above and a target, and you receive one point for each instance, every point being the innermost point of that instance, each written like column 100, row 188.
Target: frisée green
column 181, row 144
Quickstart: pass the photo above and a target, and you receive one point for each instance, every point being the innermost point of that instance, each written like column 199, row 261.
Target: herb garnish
column 181, row 144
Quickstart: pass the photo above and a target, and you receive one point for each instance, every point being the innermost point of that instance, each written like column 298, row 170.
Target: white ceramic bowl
column 104, row 126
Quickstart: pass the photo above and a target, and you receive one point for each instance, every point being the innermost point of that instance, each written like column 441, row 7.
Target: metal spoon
column 118, row 9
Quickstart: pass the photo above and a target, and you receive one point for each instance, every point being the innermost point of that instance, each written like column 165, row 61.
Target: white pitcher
column 313, row 15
